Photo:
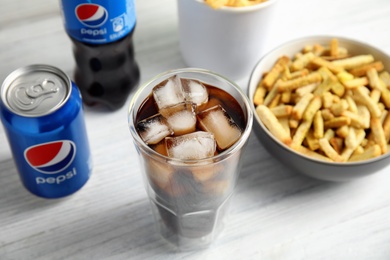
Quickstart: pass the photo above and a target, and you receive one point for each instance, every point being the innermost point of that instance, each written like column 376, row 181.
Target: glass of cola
column 190, row 127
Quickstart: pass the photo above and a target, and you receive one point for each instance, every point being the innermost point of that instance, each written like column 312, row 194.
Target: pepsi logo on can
column 52, row 157
column 42, row 114
column 99, row 22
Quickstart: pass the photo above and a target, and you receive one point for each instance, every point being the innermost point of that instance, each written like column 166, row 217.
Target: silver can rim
column 29, row 68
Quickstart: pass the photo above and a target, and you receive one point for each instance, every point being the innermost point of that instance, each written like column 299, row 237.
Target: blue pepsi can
column 42, row 114
column 102, row 21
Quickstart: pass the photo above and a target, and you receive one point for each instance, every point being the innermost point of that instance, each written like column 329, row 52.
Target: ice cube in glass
column 194, row 91
column 153, row 129
column 193, row 146
column 181, row 118
column 217, row 121
column 168, row 93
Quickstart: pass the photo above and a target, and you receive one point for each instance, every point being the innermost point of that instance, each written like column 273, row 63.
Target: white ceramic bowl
column 306, row 165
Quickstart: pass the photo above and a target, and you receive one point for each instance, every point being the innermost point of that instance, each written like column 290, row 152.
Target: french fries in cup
column 324, row 102
column 232, row 3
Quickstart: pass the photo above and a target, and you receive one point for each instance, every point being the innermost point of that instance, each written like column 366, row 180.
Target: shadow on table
column 268, row 180
column 14, row 194
column 124, row 230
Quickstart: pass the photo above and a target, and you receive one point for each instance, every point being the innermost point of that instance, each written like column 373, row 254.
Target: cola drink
column 190, row 127
column 199, row 190
column 102, row 36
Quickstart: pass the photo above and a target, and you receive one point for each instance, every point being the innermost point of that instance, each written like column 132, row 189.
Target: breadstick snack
column 327, row 102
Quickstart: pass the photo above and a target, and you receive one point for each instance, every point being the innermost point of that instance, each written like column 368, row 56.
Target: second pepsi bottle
column 102, row 36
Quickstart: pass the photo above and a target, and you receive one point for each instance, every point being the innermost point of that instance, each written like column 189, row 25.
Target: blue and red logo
column 91, row 15
column 52, row 157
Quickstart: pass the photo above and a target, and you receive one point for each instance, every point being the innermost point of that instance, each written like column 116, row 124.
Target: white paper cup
column 228, row 40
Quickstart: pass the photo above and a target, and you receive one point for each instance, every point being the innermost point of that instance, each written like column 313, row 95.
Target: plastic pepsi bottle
column 102, row 36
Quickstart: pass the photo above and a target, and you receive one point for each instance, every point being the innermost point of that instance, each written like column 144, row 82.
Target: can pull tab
column 30, row 97
column 44, row 88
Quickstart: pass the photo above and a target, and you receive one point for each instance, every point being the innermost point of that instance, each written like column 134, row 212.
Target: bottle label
column 98, row 21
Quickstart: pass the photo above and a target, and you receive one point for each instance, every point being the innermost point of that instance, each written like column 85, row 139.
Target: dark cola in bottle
column 101, row 32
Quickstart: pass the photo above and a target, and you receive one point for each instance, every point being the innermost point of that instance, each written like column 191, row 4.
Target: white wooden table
column 275, row 214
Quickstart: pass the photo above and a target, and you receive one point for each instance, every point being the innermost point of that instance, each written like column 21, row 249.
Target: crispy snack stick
column 286, row 97
column 356, row 82
column 386, row 127
column 337, row 144
column 326, row 74
column 301, row 62
column 371, row 152
column 337, row 88
column 327, row 100
column 356, row 119
column 282, row 110
column 378, row 84
column 339, row 107
column 271, row 95
column 284, row 121
column 275, row 101
column 329, row 151
column 359, row 150
column 326, row 114
column 299, row 82
column 378, row 133
column 318, row 49
column 260, row 93
column 344, row 76
column 300, row 134
column 276, row 71
column 353, row 62
column 329, row 134
column 375, row 95
column 350, row 139
column 384, row 115
column 312, row 141
column 299, row 73
column 323, row 87
column 347, row 152
column 312, row 154
column 301, row 106
column 362, row 70
column 320, row 62
column 337, row 122
column 272, row 123
column 312, row 108
column 361, row 97
column 373, row 79
column 351, row 104
column 293, row 123
column 385, row 77
column 318, row 125
column 343, row 131
column 334, row 47
column 306, row 89
column 385, row 95
column 365, row 116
